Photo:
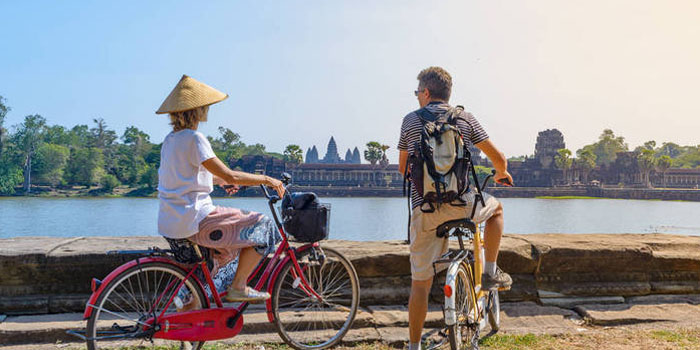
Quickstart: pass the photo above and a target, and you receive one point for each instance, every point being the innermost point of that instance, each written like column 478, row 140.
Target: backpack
column 439, row 165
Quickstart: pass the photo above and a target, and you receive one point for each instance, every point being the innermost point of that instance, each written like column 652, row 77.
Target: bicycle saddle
column 444, row 229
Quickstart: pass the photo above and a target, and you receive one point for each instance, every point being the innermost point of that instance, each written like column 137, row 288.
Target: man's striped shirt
column 411, row 129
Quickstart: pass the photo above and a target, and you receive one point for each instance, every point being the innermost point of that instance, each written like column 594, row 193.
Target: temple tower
column 332, row 156
column 548, row 143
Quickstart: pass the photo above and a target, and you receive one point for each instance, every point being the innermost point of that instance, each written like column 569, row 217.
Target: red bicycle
column 314, row 292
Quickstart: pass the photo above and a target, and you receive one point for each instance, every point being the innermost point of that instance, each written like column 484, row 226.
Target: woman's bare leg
column 247, row 261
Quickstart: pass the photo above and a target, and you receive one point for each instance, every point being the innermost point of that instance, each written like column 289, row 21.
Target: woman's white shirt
column 183, row 183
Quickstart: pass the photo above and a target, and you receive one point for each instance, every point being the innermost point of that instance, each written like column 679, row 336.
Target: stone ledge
column 50, row 275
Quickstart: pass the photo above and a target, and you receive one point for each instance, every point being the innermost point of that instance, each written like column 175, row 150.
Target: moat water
column 362, row 219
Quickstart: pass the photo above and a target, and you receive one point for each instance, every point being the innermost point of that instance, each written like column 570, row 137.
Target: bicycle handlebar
column 286, row 180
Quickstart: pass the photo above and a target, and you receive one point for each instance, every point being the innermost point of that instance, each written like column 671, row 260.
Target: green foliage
column 49, row 163
column 689, row 158
column 563, row 159
column 646, row 162
column 374, row 152
column 293, row 154
column 149, row 178
column 663, row 163
column 3, row 112
column 100, row 136
column 10, row 175
column 85, row 166
column 670, row 149
column 257, row 149
column 481, row 173
column 607, row 147
column 57, row 135
column 79, row 136
column 133, row 136
column 109, row 182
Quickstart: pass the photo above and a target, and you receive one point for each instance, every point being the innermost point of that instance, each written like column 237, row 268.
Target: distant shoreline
column 388, row 192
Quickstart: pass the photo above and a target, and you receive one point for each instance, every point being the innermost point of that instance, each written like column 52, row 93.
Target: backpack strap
column 426, row 116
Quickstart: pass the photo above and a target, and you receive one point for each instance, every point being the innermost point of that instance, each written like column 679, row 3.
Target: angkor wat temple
column 538, row 170
column 332, row 156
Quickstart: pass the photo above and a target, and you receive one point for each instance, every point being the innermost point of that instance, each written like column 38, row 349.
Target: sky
column 298, row 72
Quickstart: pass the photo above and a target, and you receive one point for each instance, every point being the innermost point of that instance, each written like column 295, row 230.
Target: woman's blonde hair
column 188, row 119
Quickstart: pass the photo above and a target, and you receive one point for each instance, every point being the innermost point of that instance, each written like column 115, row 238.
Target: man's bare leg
column 418, row 308
column 493, row 233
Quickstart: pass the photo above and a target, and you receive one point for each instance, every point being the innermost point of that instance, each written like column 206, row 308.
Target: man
column 434, row 88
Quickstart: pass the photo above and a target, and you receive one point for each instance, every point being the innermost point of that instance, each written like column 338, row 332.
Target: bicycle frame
column 270, row 273
column 473, row 261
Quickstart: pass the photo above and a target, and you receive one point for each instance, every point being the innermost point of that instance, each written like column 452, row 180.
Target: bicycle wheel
column 464, row 334
column 303, row 321
column 494, row 308
column 133, row 297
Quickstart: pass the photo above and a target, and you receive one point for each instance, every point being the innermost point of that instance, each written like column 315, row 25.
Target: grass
column 596, row 338
column 568, row 197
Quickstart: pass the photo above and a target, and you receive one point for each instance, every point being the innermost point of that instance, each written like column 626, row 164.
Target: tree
column 133, row 136
column 138, row 140
column 28, row 138
column 227, row 146
column 109, row 182
column 57, row 135
column 3, row 112
column 585, row 162
column 662, row 164
column 670, row 149
column 79, row 136
column 50, row 163
column 645, row 162
column 374, row 152
column 150, row 177
column 293, row 154
column 607, row 147
column 85, row 166
column 257, row 149
column 101, row 137
column 563, row 161
column 384, row 161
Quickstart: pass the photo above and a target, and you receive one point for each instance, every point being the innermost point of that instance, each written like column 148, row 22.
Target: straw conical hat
column 189, row 94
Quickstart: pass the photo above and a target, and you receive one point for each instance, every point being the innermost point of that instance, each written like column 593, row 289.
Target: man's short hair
column 437, row 81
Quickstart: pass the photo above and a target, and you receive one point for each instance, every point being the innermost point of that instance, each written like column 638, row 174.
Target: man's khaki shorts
column 426, row 247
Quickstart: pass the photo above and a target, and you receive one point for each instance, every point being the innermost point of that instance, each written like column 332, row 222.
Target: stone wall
column 52, row 275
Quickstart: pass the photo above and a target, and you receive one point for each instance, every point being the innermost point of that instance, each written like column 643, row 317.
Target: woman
column 188, row 170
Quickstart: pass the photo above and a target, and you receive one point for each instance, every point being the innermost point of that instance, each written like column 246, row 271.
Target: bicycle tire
column 335, row 279
column 133, row 280
column 462, row 334
column 494, row 310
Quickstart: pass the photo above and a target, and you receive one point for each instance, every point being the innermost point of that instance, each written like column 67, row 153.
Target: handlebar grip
column 504, row 181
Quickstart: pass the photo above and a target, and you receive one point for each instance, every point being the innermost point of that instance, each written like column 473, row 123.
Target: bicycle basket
column 307, row 225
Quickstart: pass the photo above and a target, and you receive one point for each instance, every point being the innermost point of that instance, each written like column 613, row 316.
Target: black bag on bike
column 439, row 164
column 305, row 218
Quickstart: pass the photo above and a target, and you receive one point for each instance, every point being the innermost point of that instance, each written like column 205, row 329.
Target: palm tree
column 374, row 152
column 586, row 162
column 645, row 161
column 293, row 154
column 662, row 164
column 563, row 161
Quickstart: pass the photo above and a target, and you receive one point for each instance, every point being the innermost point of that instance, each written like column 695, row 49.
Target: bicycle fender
column 273, row 278
column 129, row 264
column 450, row 278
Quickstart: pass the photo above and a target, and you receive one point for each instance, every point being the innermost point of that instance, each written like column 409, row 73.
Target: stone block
column 26, row 305
column 571, row 302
